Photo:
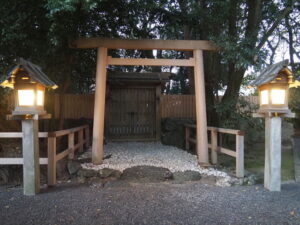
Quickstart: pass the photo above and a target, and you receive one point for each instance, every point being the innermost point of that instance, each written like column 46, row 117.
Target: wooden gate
column 131, row 113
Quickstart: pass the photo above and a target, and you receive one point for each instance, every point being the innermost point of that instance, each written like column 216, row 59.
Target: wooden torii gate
column 103, row 60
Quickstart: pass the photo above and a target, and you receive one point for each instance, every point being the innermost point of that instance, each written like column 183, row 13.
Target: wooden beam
column 146, row 44
column 99, row 107
column 20, row 134
column 187, row 136
column 51, row 170
column 226, row 130
column 19, row 161
column 80, row 140
column 158, row 112
column 227, row 151
column 87, row 137
column 201, row 134
column 71, row 145
column 149, row 62
column 214, row 147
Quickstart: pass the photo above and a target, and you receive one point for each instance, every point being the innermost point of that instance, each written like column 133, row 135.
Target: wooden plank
column 158, row 112
column 63, row 154
column 214, row 147
column 19, row 161
column 187, row 137
column 80, row 140
column 146, row 44
column 226, row 131
column 99, row 108
column 43, row 134
column 71, row 145
column 67, row 152
column 239, row 156
column 87, row 137
column 11, row 135
column 149, row 62
column 67, row 131
column 20, row 134
column 227, row 151
column 201, row 133
column 51, row 170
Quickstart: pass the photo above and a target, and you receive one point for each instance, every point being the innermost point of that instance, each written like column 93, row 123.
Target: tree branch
column 282, row 14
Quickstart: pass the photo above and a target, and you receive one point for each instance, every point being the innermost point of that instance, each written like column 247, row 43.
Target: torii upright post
column 202, row 146
column 99, row 108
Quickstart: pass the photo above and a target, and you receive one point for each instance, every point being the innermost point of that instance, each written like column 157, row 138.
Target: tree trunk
column 187, row 36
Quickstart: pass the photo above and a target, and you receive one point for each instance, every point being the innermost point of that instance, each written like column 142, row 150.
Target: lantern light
column 273, row 86
column 29, row 83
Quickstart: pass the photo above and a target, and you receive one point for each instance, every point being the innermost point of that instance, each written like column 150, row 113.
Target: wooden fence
column 78, row 106
column 217, row 148
column 53, row 155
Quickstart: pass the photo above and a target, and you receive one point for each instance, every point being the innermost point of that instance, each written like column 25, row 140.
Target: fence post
column 51, row 161
column 80, row 140
column 214, row 146
column 87, row 137
column 239, row 155
column 187, row 137
column 71, row 145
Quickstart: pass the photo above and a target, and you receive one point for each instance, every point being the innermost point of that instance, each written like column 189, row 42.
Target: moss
column 287, row 165
column 255, row 161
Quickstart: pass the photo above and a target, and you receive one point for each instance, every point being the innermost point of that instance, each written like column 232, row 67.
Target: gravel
column 157, row 204
column 129, row 154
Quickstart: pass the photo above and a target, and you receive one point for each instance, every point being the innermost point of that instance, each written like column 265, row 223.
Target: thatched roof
column 34, row 72
column 270, row 73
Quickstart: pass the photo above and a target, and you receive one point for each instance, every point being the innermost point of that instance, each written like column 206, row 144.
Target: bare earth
column 160, row 203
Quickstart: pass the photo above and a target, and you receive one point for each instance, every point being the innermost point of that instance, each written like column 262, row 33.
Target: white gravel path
column 129, row 154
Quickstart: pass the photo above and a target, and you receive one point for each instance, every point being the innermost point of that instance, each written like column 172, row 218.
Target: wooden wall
column 82, row 106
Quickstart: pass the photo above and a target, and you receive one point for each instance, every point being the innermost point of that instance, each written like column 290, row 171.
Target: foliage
column 247, row 32
column 241, row 116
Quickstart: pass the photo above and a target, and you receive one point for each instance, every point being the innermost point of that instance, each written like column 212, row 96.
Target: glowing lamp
column 273, row 96
column 273, row 86
column 29, row 83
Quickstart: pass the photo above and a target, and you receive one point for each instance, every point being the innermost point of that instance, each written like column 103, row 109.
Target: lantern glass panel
column 264, row 97
column 26, row 97
column 40, row 98
column 278, row 96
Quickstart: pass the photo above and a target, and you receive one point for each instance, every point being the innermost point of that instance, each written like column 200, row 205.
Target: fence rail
column 238, row 154
column 78, row 106
column 53, row 156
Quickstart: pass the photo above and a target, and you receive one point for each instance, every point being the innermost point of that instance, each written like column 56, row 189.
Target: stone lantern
column 273, row 85
column 29, row 83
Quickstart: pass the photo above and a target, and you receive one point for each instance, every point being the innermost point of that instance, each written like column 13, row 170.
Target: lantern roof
column 34, row 72
column 270, row 73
